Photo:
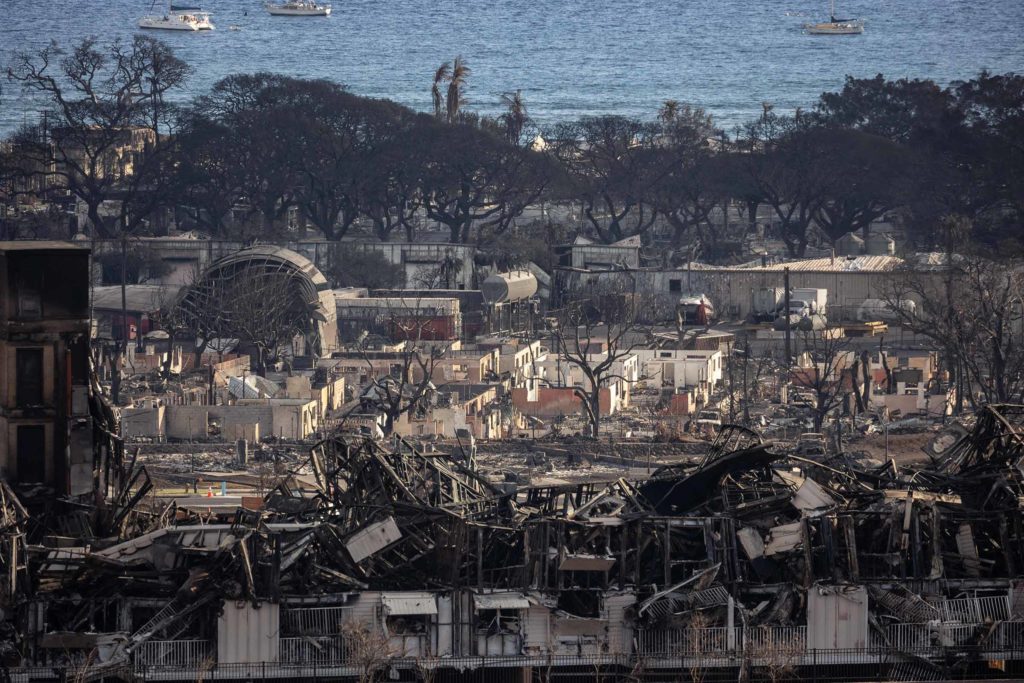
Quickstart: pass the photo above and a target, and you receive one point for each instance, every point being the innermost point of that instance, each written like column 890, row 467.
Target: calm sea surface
column 569, row 57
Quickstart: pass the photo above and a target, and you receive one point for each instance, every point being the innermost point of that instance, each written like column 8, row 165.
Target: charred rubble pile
column 748, row 549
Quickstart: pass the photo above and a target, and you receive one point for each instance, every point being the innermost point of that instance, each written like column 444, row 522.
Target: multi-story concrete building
column 46, row 433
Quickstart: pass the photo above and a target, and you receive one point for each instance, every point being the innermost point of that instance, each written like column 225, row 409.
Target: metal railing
column 190, row 653
column 973, row 610
column 787, row 638
column 710, row 641
column 316, row 621
column 309, row 649
column 922, row 638
column 818, row 665
column 665, row 650
column 902, row 637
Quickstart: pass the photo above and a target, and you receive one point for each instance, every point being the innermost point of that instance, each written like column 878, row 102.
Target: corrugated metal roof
column 399, row 305
column 837, row 264
column 409, row 603
column 41, row 245
column 501, row 601
column 142, row 298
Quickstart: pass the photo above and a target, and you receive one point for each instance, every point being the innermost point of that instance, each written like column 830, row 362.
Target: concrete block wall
column 144, row 421
column 187, row 421
column 230, row 368
column 239, row 417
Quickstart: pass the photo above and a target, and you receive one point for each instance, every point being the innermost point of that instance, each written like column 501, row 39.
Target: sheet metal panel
column 407, row 604
column 586, row 563
column 784, row 538
column 247, row 634
column 372, row 539
column 837, row 617
column 501, row 601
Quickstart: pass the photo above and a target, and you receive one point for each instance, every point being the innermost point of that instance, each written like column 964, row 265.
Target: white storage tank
column 849, row 245
column 500, row 288
column 880, row 244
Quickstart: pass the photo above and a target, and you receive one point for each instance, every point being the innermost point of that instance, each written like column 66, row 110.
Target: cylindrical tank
column 849, row 245
column 502, row 288
column 880, row 244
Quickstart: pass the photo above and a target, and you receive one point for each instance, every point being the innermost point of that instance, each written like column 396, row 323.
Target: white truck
column 814, row 300
column 807, row 307
column 885, row 311
column 765, row 303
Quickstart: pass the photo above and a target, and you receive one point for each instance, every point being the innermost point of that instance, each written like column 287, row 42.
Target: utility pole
column 789, row 348
column 689, row 272
column 746, row 388
column 732, row 391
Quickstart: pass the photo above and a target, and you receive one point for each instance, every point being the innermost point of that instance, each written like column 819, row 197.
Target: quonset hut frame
column 262, row 287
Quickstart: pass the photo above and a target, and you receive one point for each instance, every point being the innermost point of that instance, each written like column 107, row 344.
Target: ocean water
column 569, row 57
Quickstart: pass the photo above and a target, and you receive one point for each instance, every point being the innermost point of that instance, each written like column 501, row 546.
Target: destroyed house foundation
column 748, row 565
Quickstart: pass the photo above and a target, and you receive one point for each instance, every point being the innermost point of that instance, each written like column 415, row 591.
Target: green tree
column 611, row 170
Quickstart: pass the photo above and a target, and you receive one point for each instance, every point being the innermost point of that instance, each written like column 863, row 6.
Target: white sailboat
column 299, row 8
column 179, row 18
column 836, row 27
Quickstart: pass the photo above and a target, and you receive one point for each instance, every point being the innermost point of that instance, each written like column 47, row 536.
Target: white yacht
column 836, row 27
column 179, row 18
column 299, row 8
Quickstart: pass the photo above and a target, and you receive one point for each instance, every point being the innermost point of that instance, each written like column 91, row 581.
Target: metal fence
column 898, row 652
column 835, row 666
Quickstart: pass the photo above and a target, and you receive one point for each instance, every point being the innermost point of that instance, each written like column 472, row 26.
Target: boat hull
column 829, row 29
column 164, row 24
column 284, row 12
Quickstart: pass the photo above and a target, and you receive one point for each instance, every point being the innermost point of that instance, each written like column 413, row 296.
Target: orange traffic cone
column 209, row 492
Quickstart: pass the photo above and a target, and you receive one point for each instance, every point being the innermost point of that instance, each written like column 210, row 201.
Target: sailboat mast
column 832, row 15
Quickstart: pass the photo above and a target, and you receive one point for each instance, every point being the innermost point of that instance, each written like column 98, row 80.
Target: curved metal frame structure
column 305, row 291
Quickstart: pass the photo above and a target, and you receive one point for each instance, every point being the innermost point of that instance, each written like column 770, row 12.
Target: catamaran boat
column 179, row 18
column 836, row 27
column 299, row 8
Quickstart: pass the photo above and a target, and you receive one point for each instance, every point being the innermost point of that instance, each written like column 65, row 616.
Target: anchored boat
column 299, row 8
column 179, row 18
column 834, row 26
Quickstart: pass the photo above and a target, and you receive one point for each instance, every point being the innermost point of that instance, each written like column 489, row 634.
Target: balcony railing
column 926, row 640
column 317, row 621
column 183, row 653
column 909, row 638
column 313, row 650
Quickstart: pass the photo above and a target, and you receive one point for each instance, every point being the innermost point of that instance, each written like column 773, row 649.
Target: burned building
column 46, row 421
column 746, row 565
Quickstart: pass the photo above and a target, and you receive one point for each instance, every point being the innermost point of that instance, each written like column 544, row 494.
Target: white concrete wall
column 187, row 421
column 144, row 421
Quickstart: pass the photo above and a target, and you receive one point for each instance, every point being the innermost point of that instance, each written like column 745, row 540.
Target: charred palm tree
column 456, row 84
column 669, row 111
column 443, row 73
column 515, row 116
